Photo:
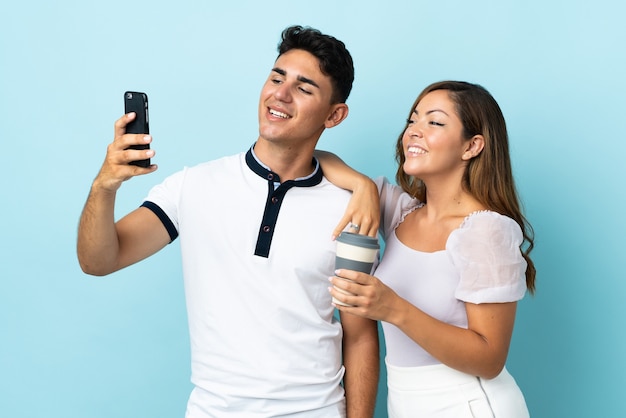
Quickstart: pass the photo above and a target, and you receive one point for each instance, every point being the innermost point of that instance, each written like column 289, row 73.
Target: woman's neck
column 445, row 201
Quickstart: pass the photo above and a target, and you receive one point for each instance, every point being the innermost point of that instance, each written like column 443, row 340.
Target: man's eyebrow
column 300, row 78
column 308, row 81
column 279, row 71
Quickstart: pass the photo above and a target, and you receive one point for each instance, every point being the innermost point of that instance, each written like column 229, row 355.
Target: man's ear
column 338, row 113
column 474, row 147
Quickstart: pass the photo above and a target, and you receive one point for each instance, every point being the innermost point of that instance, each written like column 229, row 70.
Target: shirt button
column 270, row 176
column 274, row 199
column 266, row 228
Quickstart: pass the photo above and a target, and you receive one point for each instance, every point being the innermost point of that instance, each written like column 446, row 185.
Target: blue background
column 77, row 346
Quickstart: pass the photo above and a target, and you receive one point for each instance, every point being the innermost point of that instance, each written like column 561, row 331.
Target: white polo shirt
column 256, row 262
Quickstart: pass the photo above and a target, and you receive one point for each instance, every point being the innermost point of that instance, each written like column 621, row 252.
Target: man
column 254, row 231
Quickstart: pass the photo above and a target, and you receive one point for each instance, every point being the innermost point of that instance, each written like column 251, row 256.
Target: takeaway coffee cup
column 355, row 252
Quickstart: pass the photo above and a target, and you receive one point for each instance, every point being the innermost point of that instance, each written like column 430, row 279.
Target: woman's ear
column 338, row 114
column 474, row 147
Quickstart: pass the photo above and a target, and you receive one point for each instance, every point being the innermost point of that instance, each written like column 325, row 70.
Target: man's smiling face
column 295, row 101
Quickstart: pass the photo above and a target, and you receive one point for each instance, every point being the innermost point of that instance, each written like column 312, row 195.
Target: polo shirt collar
column 265, row 172
column 276, row 193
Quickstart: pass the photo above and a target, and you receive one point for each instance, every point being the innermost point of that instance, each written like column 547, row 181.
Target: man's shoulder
column 224, row 162
column 327, row 190
column 332, row 188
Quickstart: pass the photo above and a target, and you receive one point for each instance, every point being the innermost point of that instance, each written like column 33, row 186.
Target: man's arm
column 361, row 361
column 104, row 246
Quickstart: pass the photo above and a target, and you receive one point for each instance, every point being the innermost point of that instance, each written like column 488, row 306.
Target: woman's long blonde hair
column 488, row 177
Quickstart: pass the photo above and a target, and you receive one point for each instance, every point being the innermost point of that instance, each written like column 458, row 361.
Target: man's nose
column 283, row 92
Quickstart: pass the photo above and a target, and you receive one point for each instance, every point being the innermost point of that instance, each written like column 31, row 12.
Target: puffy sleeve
column 486, row 251
column 395, row 204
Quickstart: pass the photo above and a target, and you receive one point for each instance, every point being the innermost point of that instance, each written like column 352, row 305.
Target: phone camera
column 129, row 96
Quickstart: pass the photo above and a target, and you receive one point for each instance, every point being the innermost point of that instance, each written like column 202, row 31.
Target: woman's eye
column 410, row 122
column 435, row 123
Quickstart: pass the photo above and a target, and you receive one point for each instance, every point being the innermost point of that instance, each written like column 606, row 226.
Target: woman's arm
column 364, row 207
column 480, row 349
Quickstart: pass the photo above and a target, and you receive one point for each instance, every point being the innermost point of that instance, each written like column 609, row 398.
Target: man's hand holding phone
column 117, row 166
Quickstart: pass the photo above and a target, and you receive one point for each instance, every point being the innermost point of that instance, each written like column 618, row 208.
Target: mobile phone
column 137, row 102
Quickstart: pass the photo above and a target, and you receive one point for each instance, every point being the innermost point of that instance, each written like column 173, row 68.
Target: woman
column 456, row 259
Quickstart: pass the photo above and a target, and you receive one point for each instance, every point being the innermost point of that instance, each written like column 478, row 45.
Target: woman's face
column 433, row 142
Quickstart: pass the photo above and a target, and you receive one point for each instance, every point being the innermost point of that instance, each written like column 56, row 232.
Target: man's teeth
column 279, row 114
column 416, row 150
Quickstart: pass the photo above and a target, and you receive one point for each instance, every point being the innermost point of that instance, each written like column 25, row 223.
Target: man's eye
column 305, row 91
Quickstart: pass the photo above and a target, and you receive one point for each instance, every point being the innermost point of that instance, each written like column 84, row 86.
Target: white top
column 481, row 263
column 264, row 341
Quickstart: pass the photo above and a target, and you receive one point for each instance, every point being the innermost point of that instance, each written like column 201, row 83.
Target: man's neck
column 288, row 163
